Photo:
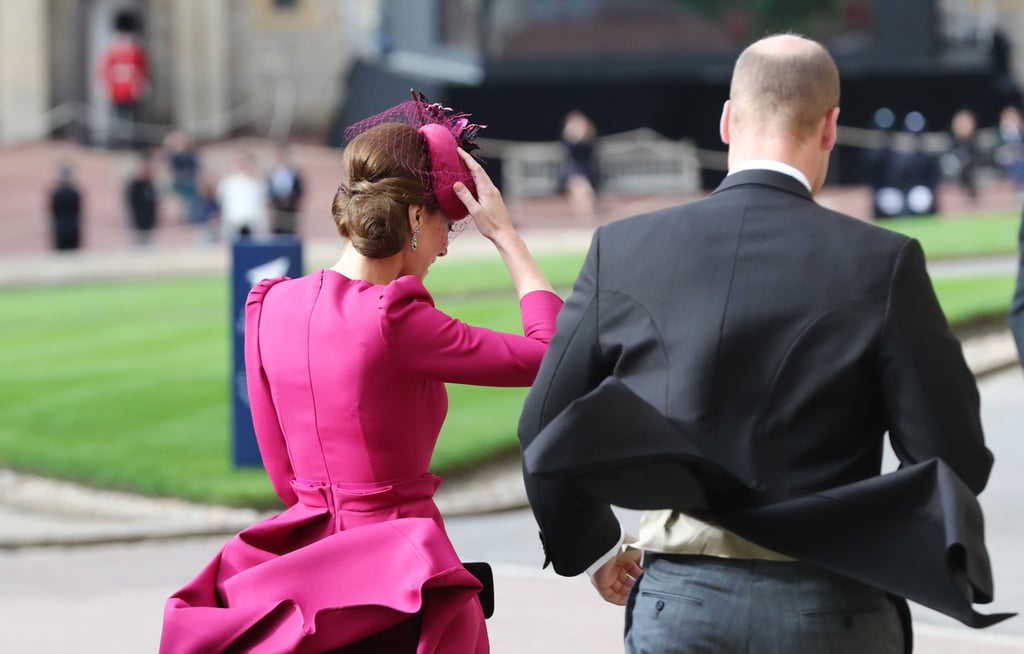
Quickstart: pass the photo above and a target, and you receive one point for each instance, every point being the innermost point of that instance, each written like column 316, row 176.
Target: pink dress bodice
column 346, row 378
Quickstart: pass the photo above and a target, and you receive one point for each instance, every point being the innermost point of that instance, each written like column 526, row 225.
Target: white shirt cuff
column 611, row 554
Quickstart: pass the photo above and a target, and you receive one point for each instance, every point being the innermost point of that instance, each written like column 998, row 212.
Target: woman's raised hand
column 487, row 209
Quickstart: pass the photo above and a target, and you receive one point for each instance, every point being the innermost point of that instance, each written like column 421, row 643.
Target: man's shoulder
column 702, row 214
column 656, row 218
column 864, row 229
column 705, row 208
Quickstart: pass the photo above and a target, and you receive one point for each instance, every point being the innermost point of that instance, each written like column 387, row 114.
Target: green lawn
column 968, row 298
column 125, row 385
column 961, row 236
column 461, row 277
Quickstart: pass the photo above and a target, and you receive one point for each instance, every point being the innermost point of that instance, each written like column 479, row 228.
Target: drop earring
column 414, row 243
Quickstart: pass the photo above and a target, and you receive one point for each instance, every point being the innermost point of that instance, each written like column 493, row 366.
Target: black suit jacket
column 744, row 356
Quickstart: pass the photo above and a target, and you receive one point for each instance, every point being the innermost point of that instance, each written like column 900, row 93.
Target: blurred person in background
column 182, row 157
column 242, row 198
column 879, row 166
column 916, row 169
column 285, row 183
column 207, row 211
column 579, row 176
column 123, row 69
column 140, row 196
column 1010, row 151
column 66, row 210
column 346, row 371
column 961, row 162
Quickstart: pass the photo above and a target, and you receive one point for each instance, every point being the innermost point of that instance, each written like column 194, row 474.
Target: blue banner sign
column 252, row 261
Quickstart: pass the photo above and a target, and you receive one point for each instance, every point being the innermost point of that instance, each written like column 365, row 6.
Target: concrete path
column 108, row 600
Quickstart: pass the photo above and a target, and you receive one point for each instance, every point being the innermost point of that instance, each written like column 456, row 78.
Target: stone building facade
column 274, row 67
column 271, row 67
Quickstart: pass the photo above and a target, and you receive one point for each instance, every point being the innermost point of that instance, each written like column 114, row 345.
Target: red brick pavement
column 28, row 171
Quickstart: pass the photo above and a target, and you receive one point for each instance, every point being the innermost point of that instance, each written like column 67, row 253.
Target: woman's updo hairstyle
column 380, row 182
column 407, row 154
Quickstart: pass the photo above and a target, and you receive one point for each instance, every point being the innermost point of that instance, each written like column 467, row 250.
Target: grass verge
column 948, row 237
column 124, row 385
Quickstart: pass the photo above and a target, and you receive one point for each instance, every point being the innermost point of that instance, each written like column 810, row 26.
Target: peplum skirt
column 348, row 568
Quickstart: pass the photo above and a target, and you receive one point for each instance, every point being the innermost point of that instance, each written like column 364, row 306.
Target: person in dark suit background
column 916, row 169
column 731, row 367
column 284, row 183
column 879, row 166
column 66, row 211
column 140, row 198
column 963, row 156
column 579, row 177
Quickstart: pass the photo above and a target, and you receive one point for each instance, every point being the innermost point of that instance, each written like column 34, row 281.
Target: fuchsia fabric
column 346, row 386
column 446, row 168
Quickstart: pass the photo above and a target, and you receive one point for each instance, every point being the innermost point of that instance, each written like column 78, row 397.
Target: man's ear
column 724, row 122
column 830, row 133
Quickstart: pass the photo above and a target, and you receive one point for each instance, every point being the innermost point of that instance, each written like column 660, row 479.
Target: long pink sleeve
column 539, row 311
column 432, row 344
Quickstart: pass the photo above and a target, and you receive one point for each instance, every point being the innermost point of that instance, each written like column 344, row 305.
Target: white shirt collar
column 777, row 166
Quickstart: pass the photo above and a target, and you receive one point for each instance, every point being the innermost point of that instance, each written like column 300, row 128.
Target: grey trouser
column 690, row 604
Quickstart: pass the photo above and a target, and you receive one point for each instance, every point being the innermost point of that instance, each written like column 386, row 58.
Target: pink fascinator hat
column 444, row 131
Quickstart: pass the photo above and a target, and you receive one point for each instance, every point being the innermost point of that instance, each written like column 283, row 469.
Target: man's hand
column 615, row 578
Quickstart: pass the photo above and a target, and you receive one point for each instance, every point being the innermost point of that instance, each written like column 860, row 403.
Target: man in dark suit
column 140, row 197
column 731, row 366
column 66, row 211
column 284, row 182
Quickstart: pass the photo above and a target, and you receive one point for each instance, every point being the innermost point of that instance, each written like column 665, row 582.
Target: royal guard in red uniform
column 124, row 71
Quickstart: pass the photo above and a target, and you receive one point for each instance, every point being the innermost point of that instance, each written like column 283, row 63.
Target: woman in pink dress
column 346, row 370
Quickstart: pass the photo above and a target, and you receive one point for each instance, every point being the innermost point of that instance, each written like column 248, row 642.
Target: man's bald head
column 783, row 84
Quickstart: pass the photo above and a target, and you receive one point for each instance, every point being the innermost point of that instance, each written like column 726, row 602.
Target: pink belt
column 355, row 504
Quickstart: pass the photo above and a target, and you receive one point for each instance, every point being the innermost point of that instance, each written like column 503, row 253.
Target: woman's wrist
column 526, row 275
column 506, row 240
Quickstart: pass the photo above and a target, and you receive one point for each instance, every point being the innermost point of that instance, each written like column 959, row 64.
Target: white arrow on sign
column 273, row 268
